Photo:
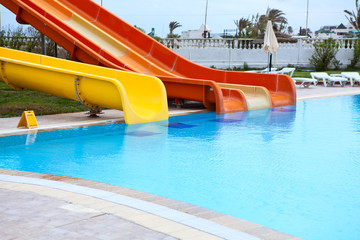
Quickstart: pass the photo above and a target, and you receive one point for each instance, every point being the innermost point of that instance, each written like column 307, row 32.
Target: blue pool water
column 295, row 169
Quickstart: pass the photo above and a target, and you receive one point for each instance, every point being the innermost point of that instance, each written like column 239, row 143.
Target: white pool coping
column 85, row 123
column 158, row 210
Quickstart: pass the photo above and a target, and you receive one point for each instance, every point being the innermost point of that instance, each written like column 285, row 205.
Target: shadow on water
column 280, row 119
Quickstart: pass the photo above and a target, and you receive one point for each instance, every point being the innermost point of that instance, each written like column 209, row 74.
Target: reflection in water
column 282, row 117
column 270, row 121
column 31, row 137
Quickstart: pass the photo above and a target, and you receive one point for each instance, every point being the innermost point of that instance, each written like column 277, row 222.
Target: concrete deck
column 319, row 91
column 41, row 206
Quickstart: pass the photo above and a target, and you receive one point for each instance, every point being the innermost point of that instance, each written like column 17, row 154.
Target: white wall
column 224, row 53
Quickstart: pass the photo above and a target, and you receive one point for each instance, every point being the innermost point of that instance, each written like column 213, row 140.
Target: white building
column 335, row 32
column 196, row 33
column 351, row 29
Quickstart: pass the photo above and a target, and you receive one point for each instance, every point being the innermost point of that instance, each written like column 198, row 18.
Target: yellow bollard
column 28, row 120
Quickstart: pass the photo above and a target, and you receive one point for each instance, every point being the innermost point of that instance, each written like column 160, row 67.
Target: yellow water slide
column 142, row 98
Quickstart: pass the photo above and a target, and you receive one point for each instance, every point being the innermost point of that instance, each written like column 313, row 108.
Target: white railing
column 210, row 43
column 227, row 53
column 344, row 43
column 246, row 43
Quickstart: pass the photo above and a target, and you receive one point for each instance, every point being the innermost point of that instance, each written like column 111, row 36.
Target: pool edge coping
column 146, row 207
column 222, row 225
column 328, row 95
column 85, row 123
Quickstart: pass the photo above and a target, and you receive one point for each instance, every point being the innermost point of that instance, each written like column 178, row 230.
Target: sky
column 221, row 13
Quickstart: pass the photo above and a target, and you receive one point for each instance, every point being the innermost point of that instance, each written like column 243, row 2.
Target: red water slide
column 94, row 35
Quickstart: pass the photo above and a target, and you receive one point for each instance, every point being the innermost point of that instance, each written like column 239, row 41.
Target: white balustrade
column 229, row 52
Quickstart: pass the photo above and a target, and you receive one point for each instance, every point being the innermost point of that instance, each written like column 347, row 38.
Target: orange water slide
column 96, row 36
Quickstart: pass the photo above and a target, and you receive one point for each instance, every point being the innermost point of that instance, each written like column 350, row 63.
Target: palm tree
column 290, row 30
column 253, row 29
column 262, row 23
column 241, row 25
column 172, row 26
column 354, row 17
column 304, row 31
column 277, row 17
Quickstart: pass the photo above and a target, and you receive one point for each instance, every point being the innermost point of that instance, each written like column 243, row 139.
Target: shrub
column 246, row 66
column 356, row 53
column 237, row 68
column 33, row 41
column 17, row 37
column 324, row 54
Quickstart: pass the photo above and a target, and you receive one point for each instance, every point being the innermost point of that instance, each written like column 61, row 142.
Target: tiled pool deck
column 42, row 206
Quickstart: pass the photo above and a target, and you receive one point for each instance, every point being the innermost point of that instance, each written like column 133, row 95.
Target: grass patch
column 13, row 103
column 301, row 74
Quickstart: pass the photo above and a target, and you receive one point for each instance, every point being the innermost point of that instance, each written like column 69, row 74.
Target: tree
column 172, row 26
column 241, row 25
column 34, row 39
column 277, row 17
column 354, row 20
column 253, row 29
column 256, row 25
column 139, row 28
column 354, row 17
column 290, row 30
column 303, row 31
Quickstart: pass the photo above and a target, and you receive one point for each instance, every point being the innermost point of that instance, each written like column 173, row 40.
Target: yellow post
column 28, row 120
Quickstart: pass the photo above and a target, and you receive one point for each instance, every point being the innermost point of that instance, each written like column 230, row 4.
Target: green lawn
column 307, row 74
column 13, row 103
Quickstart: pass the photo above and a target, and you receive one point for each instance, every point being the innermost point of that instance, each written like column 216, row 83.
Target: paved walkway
column 78, row 119
column 319, row 91
column 40, row 206
column 32, row 215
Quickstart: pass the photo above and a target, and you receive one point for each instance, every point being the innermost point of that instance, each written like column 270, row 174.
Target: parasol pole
column 206, row 10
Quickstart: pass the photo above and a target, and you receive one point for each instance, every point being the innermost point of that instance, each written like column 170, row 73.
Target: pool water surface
column 295, row 169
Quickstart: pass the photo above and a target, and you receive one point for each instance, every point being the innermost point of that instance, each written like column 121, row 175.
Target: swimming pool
column 295, row 169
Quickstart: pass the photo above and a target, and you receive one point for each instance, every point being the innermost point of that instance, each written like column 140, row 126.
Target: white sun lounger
column 328, row 79
column 305, row 82
column 265, row 70
column 352, row 76
column 287, row 71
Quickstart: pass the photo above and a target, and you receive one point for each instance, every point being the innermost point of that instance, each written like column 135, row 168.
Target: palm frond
column 354, row 18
